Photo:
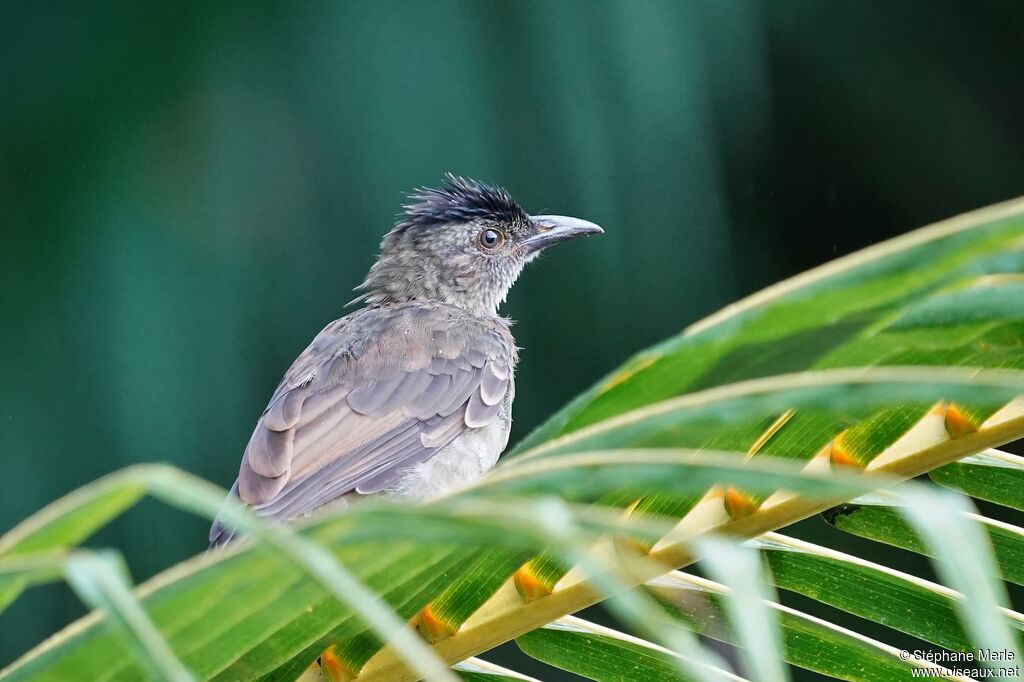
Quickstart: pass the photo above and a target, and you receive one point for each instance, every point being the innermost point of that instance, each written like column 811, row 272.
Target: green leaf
column 880, row 594
column 196, row 495
column 808, row 642
column 885, row 524
column 847, row 396
column 756, row 625
column 992, row 298
column 346, row 588
column 407, row 581
column 101, row 581
column 606, row 655
column 11, row 589
column 994, row 475
column 74, row 518
column 587, row 475
column 851, row 354
column 817, row 319
column 21, row 571
column 942, row 519
column 480, row 578
column 612, row 579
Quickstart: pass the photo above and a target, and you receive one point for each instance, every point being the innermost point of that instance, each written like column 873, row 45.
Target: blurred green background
column 190, row 190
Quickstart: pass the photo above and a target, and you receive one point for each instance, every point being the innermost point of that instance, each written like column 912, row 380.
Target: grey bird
column 411, row 395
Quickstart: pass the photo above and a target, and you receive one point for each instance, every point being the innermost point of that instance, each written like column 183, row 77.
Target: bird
column 409, row 396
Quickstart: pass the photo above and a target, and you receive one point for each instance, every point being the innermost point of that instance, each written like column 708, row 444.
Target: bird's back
column 408, row 399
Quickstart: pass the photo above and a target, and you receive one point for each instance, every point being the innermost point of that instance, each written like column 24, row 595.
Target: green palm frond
column 830, row 389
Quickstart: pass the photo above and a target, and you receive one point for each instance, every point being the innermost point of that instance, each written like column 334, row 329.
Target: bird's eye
column 491, row 239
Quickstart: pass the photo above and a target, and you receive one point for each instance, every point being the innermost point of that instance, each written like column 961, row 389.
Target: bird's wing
column 375, row 393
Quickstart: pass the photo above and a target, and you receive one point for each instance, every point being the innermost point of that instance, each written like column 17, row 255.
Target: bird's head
column 463, row 244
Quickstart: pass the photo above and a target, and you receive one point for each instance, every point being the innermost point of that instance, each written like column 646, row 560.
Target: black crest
column 460, row 200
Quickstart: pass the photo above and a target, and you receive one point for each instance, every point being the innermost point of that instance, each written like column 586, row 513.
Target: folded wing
column 354, row 412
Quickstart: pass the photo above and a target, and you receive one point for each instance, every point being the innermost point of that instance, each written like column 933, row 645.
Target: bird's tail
column 220, row 534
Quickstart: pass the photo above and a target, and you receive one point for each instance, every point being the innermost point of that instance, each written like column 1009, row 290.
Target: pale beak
column 556, row 228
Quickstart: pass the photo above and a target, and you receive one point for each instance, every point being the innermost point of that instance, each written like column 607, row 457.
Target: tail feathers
column 221, row 535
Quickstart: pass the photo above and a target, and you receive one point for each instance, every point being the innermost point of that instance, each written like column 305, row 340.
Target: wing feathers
column 493, row 385
column 478, row 413
column 284, row 412
column 340, row 476
column 424, row 405
column 412, row 386
column 475, row 358
column 443, row 431
column 369, row 399
column 375, row 394
column 321, row 403
column 348, row 440
column 462, row 385
column 319, row 428
column 499, row 370
column 409, row 452
column 256, row 489
column 270, row 452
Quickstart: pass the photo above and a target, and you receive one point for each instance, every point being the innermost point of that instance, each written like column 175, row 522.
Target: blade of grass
column 941, row 519
column 758, row 633
column 100, row 581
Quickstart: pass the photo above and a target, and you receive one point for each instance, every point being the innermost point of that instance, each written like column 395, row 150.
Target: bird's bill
column 556, row 228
